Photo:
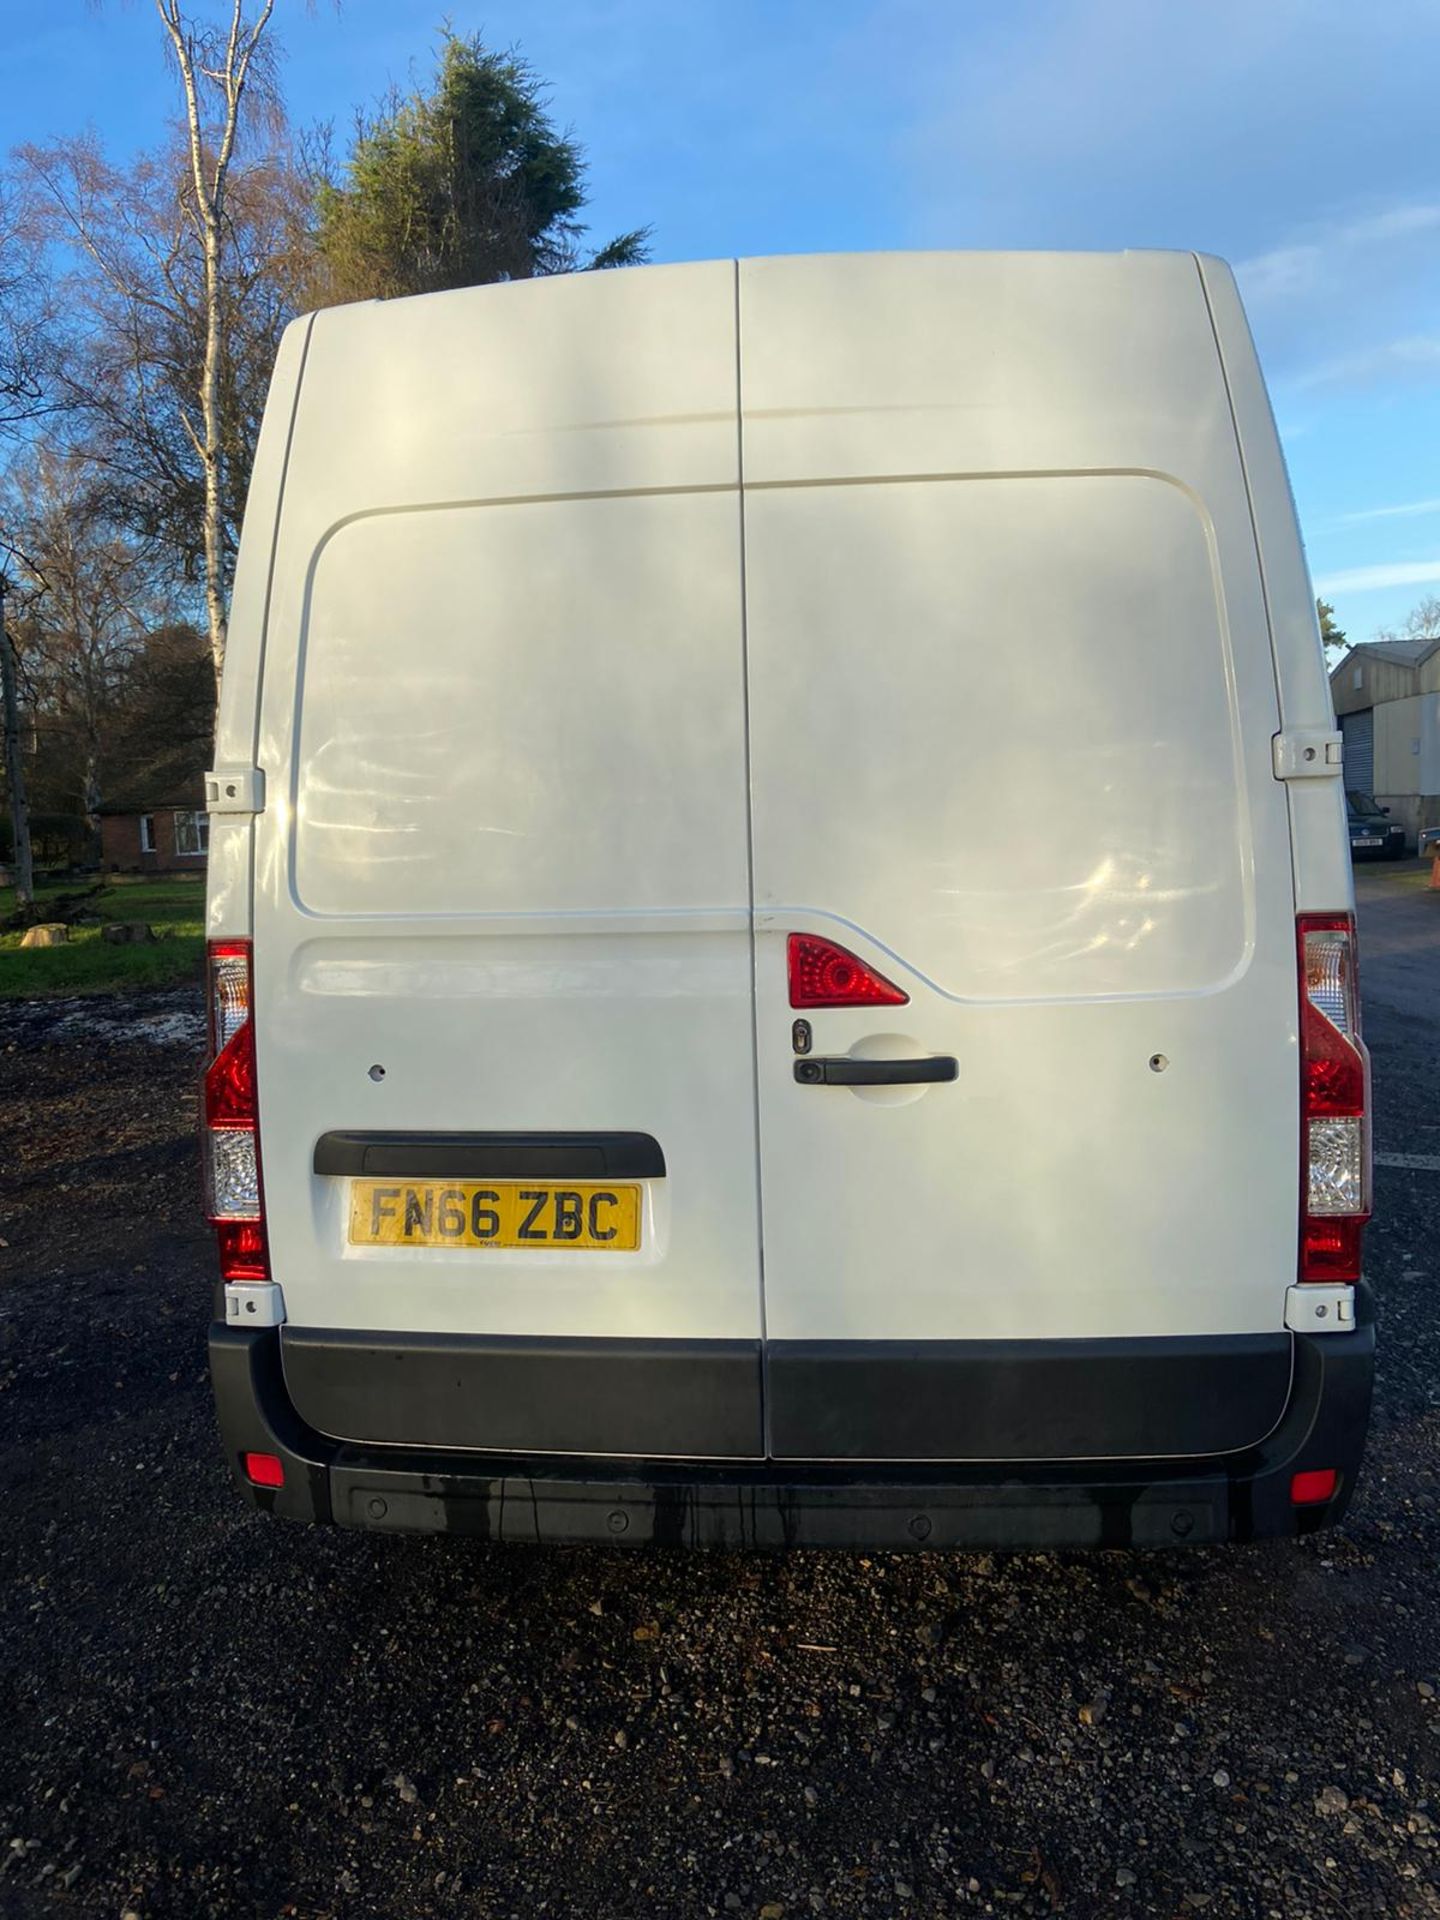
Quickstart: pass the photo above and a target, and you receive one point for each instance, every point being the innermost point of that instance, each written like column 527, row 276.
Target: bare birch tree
column 223, row 64
column 27, row 323
column 14, row 760
column 177, row 273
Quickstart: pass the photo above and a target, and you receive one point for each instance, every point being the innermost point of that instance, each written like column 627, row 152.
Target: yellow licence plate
column 495, row 1213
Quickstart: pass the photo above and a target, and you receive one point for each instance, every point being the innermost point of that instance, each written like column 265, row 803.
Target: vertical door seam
column 750, row 875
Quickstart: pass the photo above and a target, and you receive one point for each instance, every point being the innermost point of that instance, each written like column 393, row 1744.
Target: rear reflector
column 243, row 1253
column 264, row 1469
column 1330, row 1249
column 1308, row 1489
column 825, row 975
column 1334, row 1101
column 234, row 1196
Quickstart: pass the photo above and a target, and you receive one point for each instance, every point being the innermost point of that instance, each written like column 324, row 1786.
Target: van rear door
column 1011, row 703
column 502, row 936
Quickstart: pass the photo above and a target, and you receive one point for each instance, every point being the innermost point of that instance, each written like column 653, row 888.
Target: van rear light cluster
column 1334, row 1101
column 230, row 1124
column 825, row 975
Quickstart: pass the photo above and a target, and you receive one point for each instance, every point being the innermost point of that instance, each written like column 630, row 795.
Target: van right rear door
column 1011, row 702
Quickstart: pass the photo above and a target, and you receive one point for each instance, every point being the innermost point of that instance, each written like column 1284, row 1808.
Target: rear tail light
column 1334, row 1101
column 824, row 975
column 230, row 1121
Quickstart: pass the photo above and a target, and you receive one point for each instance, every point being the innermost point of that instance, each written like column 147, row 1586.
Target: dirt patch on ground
column 101, row 1157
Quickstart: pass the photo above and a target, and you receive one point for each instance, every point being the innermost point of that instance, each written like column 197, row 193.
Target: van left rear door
column 502, row 934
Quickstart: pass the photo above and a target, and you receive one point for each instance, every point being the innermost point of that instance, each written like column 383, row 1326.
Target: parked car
column 1373, row 834
column 783, row 962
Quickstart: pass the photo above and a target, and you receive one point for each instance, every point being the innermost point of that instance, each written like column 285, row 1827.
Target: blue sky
column 1294, row 137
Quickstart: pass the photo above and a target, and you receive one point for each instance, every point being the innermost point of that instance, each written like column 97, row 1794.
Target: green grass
column 85, row 964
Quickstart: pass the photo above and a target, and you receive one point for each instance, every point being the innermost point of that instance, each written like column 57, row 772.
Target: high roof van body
column 782, row 953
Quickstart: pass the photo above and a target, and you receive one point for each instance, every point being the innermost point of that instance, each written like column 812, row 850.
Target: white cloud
column 1302, row 268
column 1395, row 359
column 1417, row 573
column 1407, row 510
column 1279, row 274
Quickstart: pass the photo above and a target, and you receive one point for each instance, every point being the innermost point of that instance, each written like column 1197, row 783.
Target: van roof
column 1059, row 256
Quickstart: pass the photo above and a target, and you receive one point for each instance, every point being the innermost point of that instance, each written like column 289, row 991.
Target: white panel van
column 782, row 955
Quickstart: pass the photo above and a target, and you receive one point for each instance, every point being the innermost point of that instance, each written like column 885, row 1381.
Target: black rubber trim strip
column 629, row 1398
column 839, row 1070
column 953, row 1400
column 492, row 1156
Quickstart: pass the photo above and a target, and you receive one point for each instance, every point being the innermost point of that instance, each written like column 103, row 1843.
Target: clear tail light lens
column 234, row 1197
column 228, row 971
column 1334, row 1100
column 825, row 975
column 234, row 1174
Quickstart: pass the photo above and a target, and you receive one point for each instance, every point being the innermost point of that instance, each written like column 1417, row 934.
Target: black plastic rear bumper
column 1161, row 1502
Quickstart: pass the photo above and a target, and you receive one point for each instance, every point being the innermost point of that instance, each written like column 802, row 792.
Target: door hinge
column 1320, row 1309
column 1308, row 754
column 235, row 790
column 254, row 1303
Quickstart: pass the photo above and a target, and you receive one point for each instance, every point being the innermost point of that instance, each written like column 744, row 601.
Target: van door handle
column 839, row 1070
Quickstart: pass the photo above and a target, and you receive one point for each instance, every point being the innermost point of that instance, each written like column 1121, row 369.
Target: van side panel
column 230, row 866
column 1324, row 879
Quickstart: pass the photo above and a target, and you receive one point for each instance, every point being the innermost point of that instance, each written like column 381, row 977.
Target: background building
column 156, row 833
column 1387, row 695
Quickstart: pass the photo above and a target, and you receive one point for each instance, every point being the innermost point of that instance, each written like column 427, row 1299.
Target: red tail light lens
column 1334, row 1058
column 263, row 1469
column 234, row 1200
column 825, row 975
column 1334, row 1101
column 243, row 1252
column 230, row 1082
column 1314, row 1484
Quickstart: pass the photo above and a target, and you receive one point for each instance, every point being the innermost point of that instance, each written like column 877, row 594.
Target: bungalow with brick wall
column 156, row 833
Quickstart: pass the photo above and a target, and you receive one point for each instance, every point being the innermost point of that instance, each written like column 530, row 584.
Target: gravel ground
column 208, row 1713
